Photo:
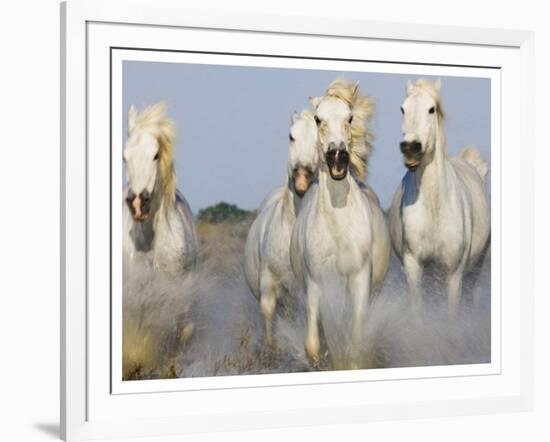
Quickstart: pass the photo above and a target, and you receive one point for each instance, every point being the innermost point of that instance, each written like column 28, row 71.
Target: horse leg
column 413, row 272
column 268, row 303
column 313, row 347
column 360, row 287
column 454, row 291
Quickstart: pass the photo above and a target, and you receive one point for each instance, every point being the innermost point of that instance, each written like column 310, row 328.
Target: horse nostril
column 342, row 146
column 144, row 195
column 410, row 147
column 416, row 147
column 331, row 146
column 130, row 196
column 145, row 201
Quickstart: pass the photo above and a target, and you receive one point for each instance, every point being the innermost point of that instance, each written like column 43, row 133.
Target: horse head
column 148, row 156
column 341, row 116
column 422, row 122
column 303, row 155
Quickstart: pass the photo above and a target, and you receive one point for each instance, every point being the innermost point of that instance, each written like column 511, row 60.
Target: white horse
column 267, row 261
column 158, row 225
column 340, row 236
column 440, row 213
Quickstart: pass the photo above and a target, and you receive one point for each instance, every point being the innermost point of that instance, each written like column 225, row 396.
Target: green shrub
column 222, row 212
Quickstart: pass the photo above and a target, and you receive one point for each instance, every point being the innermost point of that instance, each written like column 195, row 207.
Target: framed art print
column 266, row 221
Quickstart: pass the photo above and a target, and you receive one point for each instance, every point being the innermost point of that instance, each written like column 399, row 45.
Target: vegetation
column 223, row 212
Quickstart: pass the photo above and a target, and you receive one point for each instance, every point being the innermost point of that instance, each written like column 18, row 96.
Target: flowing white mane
column 362, row 108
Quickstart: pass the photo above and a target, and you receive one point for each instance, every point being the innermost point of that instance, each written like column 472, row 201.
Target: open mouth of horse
column 140, row 205
column 302, row 177
column 412, row 163
column 337, row 162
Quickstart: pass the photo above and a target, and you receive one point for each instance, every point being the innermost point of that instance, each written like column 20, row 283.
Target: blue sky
column 233, row 123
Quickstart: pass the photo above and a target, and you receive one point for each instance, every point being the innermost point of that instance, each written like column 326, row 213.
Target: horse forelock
column 362, row 108
column 344, row 90
column 153, row 119
column 307, row 115
column 430, row 88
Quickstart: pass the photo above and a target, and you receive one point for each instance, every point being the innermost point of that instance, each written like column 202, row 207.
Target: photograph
column 290, row 219
column 285, row 221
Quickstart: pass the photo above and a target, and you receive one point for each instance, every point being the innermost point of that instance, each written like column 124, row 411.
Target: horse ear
column 132, row 117
column 355, row 88
column 315, row 101
column 409, row 87
column 294, row 117
column 437, row 85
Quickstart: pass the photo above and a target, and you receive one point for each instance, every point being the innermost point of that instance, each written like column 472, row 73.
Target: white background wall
column 29, row 218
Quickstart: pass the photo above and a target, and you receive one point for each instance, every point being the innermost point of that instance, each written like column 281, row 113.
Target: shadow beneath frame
column 48, row 428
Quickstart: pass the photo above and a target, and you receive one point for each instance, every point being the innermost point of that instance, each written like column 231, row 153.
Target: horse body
column 333, row 238
column 166, row 242
column 381, row 243
column 440, row 214
column 357, row 229
column 158, row 226
column 333, row 233
column 266, row 250
column 267, row 261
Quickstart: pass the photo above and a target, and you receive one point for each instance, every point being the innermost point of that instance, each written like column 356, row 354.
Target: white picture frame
column 95, row 407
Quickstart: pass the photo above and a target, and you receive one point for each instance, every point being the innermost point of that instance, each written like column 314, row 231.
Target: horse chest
column 432, row 235
column 344, row 239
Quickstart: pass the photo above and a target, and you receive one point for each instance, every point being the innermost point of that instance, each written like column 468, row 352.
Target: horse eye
column 350, row 119
column 156, row 157
column 317, row 120
column 402, row 111
column 290, row 137
column 432, row 110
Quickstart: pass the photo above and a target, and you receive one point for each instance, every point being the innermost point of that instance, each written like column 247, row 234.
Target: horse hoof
column 314, row 359
column 315, row 363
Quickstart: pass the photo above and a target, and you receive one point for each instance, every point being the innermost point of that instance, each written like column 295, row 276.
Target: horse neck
column 144, row 233
column 334, row 194
column 433, row 176
column 291, row 201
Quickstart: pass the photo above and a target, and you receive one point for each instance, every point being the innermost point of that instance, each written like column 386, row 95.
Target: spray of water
column 208, row 323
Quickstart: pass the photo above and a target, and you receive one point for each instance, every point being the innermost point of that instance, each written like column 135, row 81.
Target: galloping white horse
column 157, row 222
column 440, row 213
column 340, row 236
column 267, row 261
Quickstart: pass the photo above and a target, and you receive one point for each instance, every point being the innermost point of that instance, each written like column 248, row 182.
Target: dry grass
column 222, row 244
column 139, row 352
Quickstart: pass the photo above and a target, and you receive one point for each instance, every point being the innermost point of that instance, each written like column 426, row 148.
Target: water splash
column 208, row 323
